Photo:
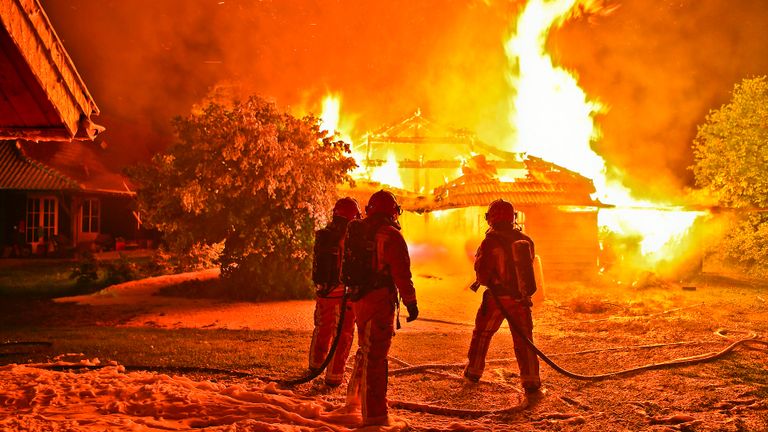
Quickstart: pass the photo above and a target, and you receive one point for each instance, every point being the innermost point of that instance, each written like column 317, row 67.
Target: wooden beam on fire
column 418, row 140
column 445, row 163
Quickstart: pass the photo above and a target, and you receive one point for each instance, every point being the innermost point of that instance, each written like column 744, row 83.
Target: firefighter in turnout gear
column 376, row 269
column 504, row 264
column 326, row 270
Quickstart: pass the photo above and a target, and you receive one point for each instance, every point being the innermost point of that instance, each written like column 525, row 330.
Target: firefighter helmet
column 383, row 202
column 347, row 208
column 500, row 211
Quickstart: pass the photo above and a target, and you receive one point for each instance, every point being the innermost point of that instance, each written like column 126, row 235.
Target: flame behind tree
column 330, row 122
column 258, row 180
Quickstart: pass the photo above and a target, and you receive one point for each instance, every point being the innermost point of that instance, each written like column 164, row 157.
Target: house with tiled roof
column 55, row 191
column 59, row 195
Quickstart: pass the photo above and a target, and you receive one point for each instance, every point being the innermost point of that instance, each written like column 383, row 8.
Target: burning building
column 446, row 178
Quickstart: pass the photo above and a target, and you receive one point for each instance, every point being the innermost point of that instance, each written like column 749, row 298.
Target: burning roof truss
column 442, row 168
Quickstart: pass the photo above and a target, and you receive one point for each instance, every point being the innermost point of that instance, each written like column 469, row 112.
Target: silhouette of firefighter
column 326, row 272
column 376, row 268
column 504, row 264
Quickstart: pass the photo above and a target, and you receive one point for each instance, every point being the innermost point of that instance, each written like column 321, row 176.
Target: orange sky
column 659, row 66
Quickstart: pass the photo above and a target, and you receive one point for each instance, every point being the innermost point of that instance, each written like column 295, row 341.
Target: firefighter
column 326, row 268
column 376, row 269
column 504, row 264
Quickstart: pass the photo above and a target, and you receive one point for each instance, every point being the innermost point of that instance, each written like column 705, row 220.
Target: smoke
column 659, row 66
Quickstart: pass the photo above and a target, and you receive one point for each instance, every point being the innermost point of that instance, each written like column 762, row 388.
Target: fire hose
column 751, row 338
column 521, row 254
column 407, row 368
column 314, row 373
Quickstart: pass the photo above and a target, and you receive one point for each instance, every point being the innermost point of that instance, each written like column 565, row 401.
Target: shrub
column 253, row 179
column 86, row 271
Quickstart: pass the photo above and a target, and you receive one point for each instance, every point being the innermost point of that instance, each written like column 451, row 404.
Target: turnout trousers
column 488, row 320
column 374, row 315
column 327, row 313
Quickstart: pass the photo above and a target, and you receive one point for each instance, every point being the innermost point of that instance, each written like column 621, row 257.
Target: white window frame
column 87, row 220
column 42, row 212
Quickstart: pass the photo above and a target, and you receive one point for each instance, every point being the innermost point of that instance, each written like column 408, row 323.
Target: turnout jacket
column 392, row 257
column 494, row 264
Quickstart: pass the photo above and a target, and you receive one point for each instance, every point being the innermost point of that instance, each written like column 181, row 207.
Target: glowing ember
column 554, row 119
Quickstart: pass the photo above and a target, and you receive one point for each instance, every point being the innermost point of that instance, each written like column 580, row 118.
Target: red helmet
column 383, row 202
column 500, row 211
column 347, row 208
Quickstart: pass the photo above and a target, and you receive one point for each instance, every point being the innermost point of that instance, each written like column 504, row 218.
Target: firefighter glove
column 413, row 311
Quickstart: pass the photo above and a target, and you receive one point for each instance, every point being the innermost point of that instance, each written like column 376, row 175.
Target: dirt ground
column 587, row 327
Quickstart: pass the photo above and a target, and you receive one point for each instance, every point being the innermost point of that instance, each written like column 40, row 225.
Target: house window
column 90, row 216
column 42, row 219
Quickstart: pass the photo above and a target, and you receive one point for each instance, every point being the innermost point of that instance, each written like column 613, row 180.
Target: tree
column 731, row 161
column 252, row 178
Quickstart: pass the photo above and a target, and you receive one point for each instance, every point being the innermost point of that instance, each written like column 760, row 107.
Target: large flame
column 554, row 119
column 330, row 121
column 552, row 115
column 389, row 172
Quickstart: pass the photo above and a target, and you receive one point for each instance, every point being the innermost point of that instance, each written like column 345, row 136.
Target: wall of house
column 425, row 180
column 115, row 220
column 118, row 218
column 66, row 220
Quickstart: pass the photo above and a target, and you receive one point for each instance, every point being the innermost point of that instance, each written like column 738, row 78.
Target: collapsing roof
column 486, row 172
column 421, row 143
column 544, row 184
column 42, row 97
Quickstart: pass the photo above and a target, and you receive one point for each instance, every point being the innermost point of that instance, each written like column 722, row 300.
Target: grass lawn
column 588, row 327
column 240, row 350
column 48, row 278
